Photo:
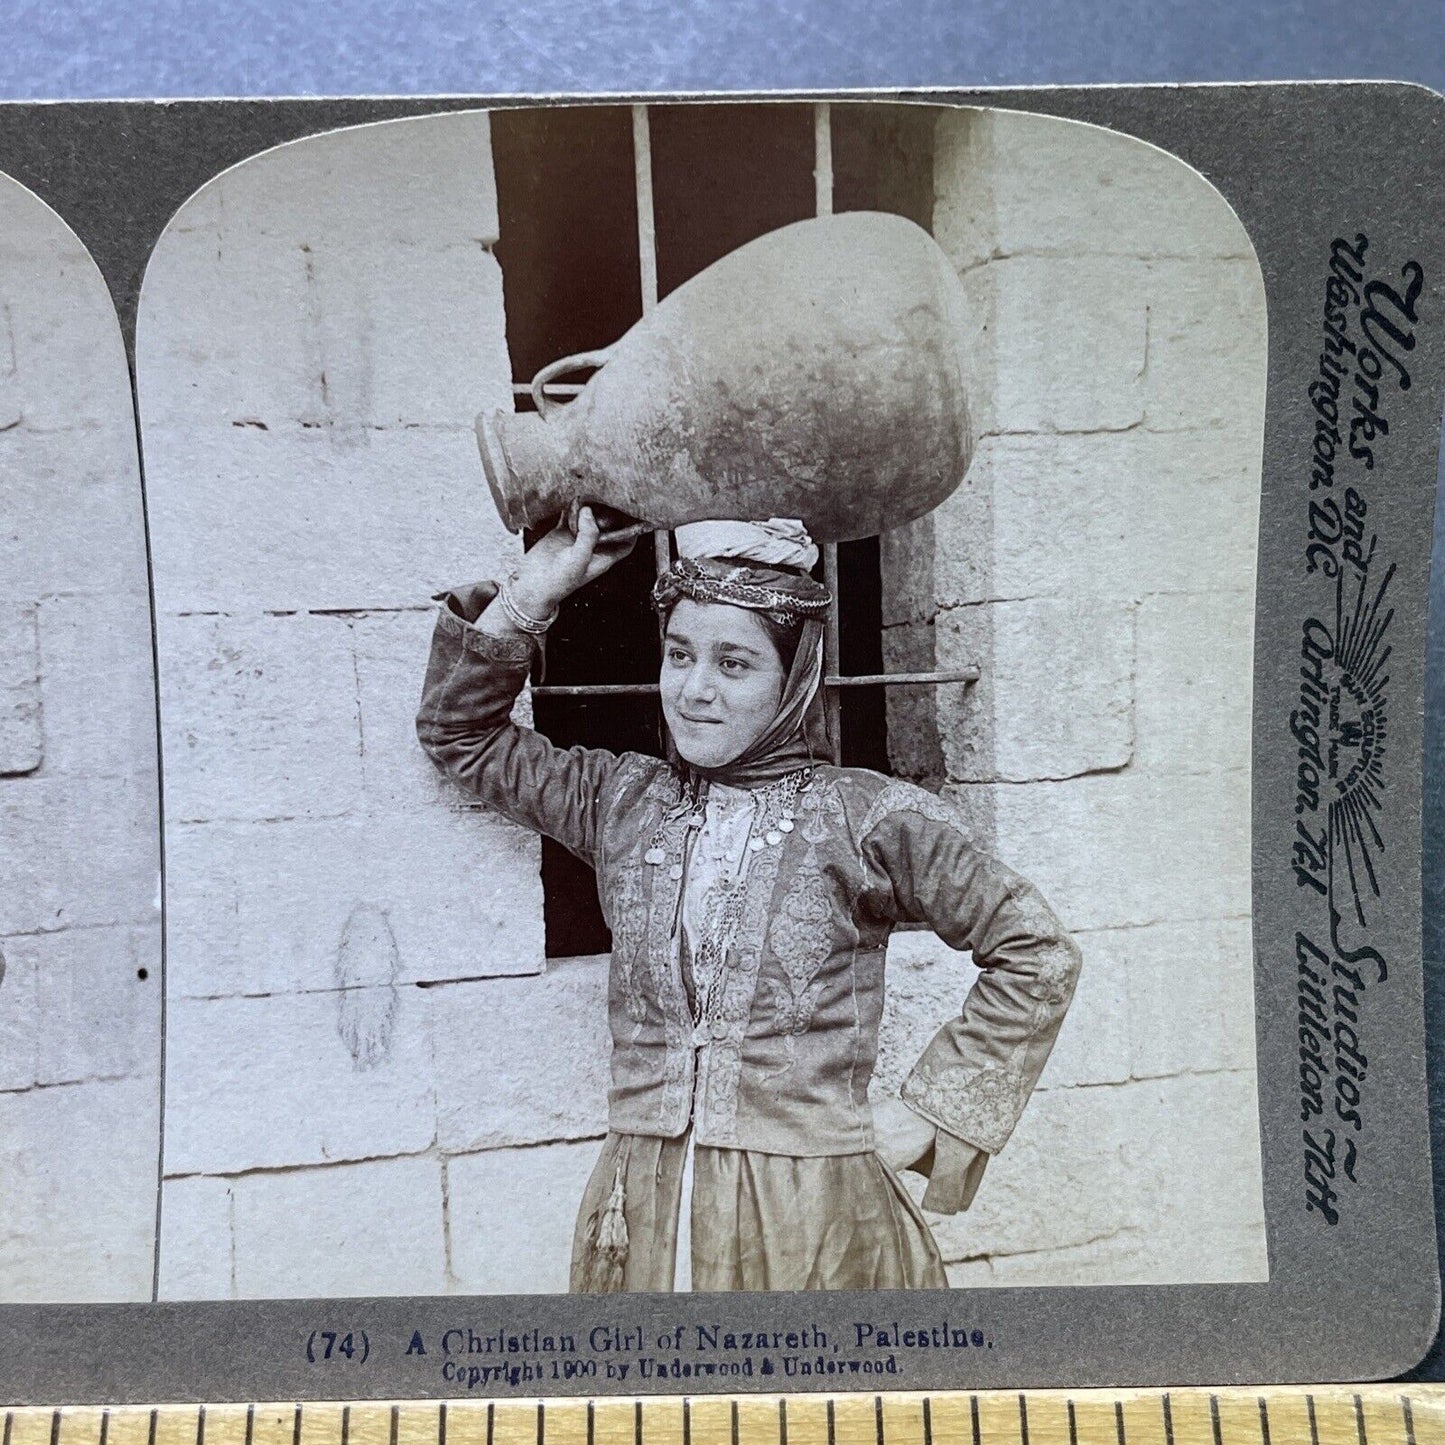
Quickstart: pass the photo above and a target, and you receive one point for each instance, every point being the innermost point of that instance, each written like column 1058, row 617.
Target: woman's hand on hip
column 901, row 1137
column 562, row 561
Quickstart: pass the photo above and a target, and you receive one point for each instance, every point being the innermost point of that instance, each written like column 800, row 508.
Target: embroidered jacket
column 785, row 1066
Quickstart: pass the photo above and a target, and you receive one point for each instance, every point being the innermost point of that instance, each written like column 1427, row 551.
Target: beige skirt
column 759, row 1222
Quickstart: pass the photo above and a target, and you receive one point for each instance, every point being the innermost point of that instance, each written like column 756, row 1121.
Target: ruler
column 1273, row 1415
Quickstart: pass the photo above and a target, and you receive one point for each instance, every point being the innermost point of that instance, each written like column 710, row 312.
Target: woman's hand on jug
column 562, row 561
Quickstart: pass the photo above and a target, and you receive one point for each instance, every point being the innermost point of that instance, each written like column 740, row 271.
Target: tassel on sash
column 609, row 1252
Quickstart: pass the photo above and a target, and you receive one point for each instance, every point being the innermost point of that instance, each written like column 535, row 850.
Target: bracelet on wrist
column 522, row 621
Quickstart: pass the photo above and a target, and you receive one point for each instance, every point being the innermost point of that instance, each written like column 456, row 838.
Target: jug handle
column 561, row 367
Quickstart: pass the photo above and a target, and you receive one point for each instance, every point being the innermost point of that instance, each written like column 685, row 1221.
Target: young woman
column 751, row 888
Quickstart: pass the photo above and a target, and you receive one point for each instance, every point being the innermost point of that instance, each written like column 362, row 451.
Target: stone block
column 70, row 514
column 511, row 1217
column 259, row 718
column 409, row 336
column 298, row 906
column 1207, row 346
column 75, row 1007
column 244, row 520
column 522, row 1061
column 1122, row 1256
column 74, row 855
column 1195, row 681
column 1186, row 991
column 288, row 1079
column 1093, row 1046
column 419, row 179
column 79, row 1165
column 1069, row 345
column 22, row 736
column 1192, row 1146
column 299, row 286
column 1125, row 849
column 197, row 1245
column 1115, row 516
column 391, row 650
column 360, row 1229
column 62, row 363
column 1007, row 183
column 1055, row 694
column 257, row 332
column 98, row 648
column 1058, row 1183
column 226, row 337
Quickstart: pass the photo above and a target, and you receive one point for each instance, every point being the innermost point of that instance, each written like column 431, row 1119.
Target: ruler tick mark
column 541, row 1422
column 151, row 1435
column 395, row 1423
column 250, row 1424
column 10, row 1424
column 1263, row 1420
column 637, row 1423
column 1073, row 1425
column 1168, row 1421
column 1023, row 1421
column 201, row 1426
column 442, row 1423
column 491, row 1419
column 55, row 1427
column 346, row 1425
column 734, row 1424
column 782, row 1421
column 927, row 1422
column 1404, row 1407
column 973, row 1417
column 1119, row 1420
column 877, row 1420
column 1360, row 1419
column 1214, row 1420
column 1314, row 1424
column 105, row 1428
column 296, row 1427
column 686, row 1421
column 592, row 1421
column 832, row 1436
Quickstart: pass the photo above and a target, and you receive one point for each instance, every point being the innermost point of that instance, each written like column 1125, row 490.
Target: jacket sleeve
column 976, row 1075
column 472, row 681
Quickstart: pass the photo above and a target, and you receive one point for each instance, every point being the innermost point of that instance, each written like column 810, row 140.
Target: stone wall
column 80, row 986
column 364, row 1050
column 1098, row 564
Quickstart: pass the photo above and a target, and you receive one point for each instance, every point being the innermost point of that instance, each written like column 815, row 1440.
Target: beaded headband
column 693, row 579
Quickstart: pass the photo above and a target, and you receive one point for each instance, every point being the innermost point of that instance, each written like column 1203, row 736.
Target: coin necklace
column 775, row 818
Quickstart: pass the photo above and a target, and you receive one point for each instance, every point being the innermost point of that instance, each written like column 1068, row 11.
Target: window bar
column 647, row 264
column 823, row 206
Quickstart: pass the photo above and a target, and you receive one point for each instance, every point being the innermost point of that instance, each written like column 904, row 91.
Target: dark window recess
column 569, row 257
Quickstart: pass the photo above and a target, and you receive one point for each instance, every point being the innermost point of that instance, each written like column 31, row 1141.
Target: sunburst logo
column 1358, row 680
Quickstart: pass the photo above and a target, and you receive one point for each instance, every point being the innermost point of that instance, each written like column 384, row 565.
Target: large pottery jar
column 813, row 373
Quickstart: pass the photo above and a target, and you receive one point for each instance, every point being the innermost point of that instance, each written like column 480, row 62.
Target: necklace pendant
column 773, row 837
column 785, row 823
column 675, row 872
column 654, row 856
column 755, row 845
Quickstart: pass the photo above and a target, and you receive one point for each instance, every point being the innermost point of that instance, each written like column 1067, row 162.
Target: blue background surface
column 302, row 47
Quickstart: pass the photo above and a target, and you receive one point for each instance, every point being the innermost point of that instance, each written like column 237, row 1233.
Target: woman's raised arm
column 479, row 663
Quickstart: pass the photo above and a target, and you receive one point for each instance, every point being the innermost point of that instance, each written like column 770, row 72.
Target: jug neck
column 523, row 458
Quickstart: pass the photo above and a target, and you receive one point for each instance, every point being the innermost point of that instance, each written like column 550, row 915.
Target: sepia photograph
column 704, row 656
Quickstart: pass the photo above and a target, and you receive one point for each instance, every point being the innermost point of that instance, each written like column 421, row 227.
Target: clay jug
column 815, row 372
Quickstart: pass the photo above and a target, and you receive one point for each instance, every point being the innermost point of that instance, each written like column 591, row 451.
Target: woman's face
column 721, row 683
